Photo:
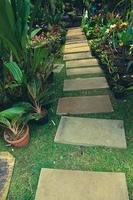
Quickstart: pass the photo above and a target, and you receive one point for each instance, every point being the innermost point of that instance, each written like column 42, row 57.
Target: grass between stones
column 42, row 152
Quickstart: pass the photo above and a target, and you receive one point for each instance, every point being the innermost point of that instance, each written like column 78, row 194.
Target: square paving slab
column 76, row 41
column 82, row 71
column 7, row 162
column 55, row 184
column 91, row 132
column 76, row 56
column 75, row 29
column 84, row 105
column 78, row 49
column 75, row 37
column 76, row 45
column 82, row 63
column 74, row 33
column 85, row 83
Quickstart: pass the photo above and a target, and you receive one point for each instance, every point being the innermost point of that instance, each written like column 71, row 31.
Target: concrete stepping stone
column 57, row 184
column 75, row 28
column 74, row 33
column 83, row 71
column 82, row 63
column 78, row 49
column 76, row 56
column 76, row 45
column 78, row 29
column 58, row 68
column 84, row 105
column 7, row 162
column 75, row 37
column 85, row 84
column 91, row 132
column 76, row 41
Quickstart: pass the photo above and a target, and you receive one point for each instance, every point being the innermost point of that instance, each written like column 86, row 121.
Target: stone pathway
column 7, row 162
column 80, row 185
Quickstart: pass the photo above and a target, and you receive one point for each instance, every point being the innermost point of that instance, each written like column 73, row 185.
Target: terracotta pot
column 20, row 142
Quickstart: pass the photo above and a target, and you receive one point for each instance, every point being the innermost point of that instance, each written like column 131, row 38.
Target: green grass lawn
column 42, row 152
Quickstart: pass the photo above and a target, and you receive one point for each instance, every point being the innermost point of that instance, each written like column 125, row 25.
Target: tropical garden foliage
column 110, row 27
column 29, row 44
column 32, row 34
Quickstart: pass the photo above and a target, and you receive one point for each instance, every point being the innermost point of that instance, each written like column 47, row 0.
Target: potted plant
column 119, row 91
column 39, row 98
column 14, row 121
column 126, row 80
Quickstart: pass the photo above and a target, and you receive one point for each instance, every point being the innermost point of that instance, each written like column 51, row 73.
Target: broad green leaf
column 130, row 88
column 4, row 122
column 15, row 71
column 13, row 112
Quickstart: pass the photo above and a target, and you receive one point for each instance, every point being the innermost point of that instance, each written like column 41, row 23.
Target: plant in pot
column 126, row 80
column 14, row 121
column 39, row 97
column 119, row 91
